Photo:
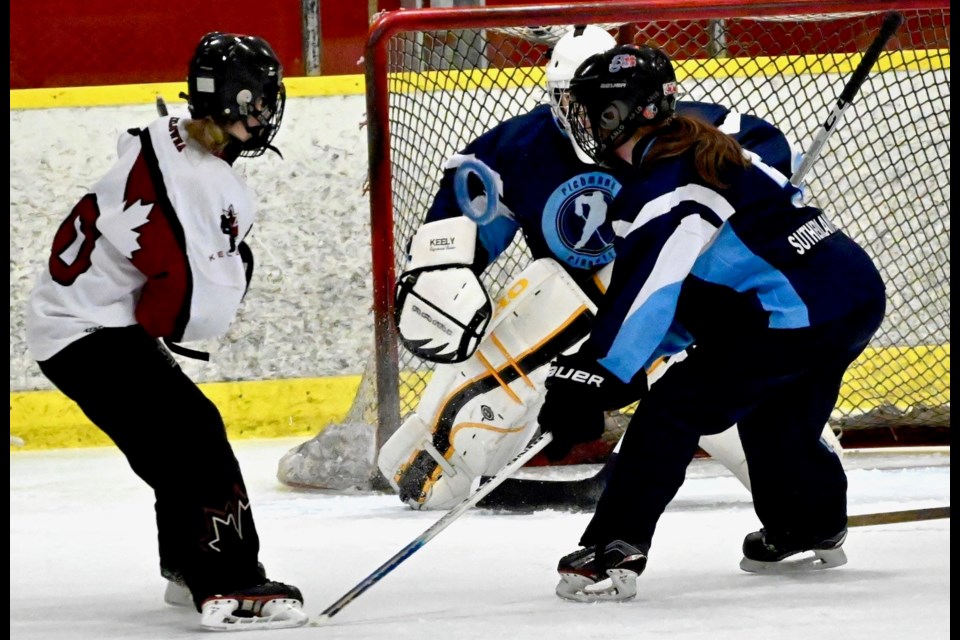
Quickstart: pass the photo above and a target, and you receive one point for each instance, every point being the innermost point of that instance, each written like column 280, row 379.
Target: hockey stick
column 891, row 22
column 520, row 494
column 161, row 106
column 892, row 517
column 521, row 459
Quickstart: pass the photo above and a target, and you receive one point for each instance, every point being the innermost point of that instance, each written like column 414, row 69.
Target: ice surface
column 83, row 563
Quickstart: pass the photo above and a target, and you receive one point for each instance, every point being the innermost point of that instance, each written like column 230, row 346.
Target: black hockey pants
column 779, row 387
column 174, row 439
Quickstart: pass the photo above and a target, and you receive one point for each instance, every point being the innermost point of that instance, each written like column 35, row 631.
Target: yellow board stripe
column 314, row 86
column 125, row 94
column 899, row 376
column 255, row 409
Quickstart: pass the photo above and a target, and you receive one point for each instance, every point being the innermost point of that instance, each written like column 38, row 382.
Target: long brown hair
column 208, row 134
column 714, row 150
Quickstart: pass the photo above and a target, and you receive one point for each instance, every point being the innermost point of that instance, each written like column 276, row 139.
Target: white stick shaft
column 521, row 459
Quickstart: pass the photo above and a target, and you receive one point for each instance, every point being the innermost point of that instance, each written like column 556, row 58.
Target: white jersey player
column 154, row 251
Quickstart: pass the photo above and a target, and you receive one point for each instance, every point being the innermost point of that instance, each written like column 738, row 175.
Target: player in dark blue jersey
column 558, row 197
column 559, row 200
column 775, row 299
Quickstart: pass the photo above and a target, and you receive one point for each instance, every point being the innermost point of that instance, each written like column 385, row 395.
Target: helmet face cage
column 235, row 77
column 578, row 44
column 615, row 93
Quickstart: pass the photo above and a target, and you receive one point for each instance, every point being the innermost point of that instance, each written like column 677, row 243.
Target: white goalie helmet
column 571, row 50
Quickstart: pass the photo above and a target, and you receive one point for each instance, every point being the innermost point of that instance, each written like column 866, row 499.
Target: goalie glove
column 442, row 313
column 442, row 308
column 579, row 391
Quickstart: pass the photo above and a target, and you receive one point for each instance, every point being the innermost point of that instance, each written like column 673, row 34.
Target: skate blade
column 620, row 585
column 813, row 561
column 282, row 613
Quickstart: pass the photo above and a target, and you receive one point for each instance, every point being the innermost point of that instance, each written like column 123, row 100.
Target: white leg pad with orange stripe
column 475, row 416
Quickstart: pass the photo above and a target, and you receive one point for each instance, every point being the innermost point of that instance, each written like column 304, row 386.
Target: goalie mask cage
column 437, row 78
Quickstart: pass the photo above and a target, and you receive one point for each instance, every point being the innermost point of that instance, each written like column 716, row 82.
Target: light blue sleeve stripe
column 676, row 340
column 729, row 262
column 497, row 235
column 640, row 335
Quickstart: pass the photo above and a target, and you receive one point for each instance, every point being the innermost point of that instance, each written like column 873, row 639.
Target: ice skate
column 601, row 573
column 271, row 605
column 764, row 552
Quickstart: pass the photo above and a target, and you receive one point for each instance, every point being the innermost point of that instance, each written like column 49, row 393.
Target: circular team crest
column 575, row 225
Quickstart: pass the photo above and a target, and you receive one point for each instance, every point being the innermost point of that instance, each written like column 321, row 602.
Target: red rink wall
column 66, row 43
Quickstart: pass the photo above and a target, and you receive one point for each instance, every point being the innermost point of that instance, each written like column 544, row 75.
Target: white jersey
column 154, row 242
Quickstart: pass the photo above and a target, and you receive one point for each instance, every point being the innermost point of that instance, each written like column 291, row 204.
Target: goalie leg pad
column 473, row 418
column 725, row 447
column 417, row 470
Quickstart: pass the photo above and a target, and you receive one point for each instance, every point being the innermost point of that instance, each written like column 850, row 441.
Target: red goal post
column 437, row 78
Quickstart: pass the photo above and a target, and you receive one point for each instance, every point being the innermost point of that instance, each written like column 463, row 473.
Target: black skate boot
column 602, row 572
column 764, row 551
column 271, row 605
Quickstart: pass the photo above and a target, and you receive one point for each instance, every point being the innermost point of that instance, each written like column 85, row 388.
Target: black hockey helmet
column 615, row 92
column 233, row 76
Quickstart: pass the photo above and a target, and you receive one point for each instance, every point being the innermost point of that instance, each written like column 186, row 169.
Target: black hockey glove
column 579, row 391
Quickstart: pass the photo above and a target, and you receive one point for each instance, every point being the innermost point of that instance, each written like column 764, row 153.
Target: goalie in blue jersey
column 524, row 175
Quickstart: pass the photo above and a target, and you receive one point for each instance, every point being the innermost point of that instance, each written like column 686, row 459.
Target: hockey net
column 436, row 79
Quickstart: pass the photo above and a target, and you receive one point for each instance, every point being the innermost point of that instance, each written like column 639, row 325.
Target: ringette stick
column 521, row 459
column 585, row 490
column 891, row 22
column 891, row 517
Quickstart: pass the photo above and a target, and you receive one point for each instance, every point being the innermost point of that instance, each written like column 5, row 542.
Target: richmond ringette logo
column 575, row 223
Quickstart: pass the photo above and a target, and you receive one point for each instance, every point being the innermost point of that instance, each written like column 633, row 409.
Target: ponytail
column 208, row 134
column 714, row 151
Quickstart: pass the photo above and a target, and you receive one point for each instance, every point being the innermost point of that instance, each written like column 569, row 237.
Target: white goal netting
column 884, row 176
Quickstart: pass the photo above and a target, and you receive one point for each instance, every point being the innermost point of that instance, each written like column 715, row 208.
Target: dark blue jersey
column 746, row 257
column 559, row 203
column 754, row 134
